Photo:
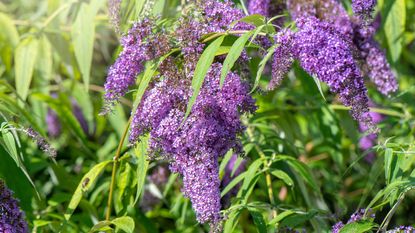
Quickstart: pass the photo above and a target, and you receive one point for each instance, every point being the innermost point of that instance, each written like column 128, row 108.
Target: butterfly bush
column 139, row 45
column 323, row 52
column 12, row 219
column 192, row 145
column 336, row 48
column 359, row 35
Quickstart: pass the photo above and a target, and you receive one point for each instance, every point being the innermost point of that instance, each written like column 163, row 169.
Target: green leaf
column 139, row 4
column 395, row 17
column 233, row 55
column 262, row 66
column 25, row 59
column 283, row 176
column 301, row 169
column 258, row 221
column 357, row 227
column 101, row 226
column 9, row 32
column 83, row 33
column 280, row 217
column 150, row 69
column 9, row 38
column 202, row 67
column 86, row 183
column 233, row 183
column 255, row 20
column 124, row 223
column 318, row 84
column 142, row 165
column 44, row 64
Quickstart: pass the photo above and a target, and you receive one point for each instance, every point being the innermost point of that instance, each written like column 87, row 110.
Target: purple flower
column 402, row 229
column 12, row 219
column 79, row 115
column 137, row 50
column 208, row 133
column 54, row 125
column 283, row 57
column 358, row 34
column 356, row 216
column 323, row 52
column 259, row 7
column 376, row 66
column 363, row 8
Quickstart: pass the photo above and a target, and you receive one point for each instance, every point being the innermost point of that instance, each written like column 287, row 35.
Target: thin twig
column 114, row 169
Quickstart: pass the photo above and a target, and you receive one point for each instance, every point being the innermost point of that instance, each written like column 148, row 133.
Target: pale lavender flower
column 402, row 229
column 114, row 7
column 12, row 219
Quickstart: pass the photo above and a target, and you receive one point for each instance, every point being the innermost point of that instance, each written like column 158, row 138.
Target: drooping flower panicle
column 322, row 51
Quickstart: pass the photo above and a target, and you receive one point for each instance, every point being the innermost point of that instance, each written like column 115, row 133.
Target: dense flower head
column 323, row 52
column 375, row 64
column 363, row 8
column 283, row 57
column 357, row 33
column 194, row 146
column 12, row 219
column 139, row 45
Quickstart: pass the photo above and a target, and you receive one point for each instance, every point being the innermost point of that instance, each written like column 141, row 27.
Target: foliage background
column 304, row 163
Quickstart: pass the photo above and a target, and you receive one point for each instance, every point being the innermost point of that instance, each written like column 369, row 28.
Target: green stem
column 378, row 110
column 236, row 32
column 267, row 175
column 114, row 169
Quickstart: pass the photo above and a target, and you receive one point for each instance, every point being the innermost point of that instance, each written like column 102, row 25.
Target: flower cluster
column 140, row 45
column 41, row 142
column 323, row 52
column 195, row 145
column 12, row 219
column 358, row 33
column 192, row 145
column 363, row 8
